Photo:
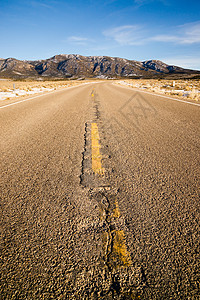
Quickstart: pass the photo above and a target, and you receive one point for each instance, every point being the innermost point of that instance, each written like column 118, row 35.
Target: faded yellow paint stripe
column 116, row 211
column 96, row 155
column 119, row 247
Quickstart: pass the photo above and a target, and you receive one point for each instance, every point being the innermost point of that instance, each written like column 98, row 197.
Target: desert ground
column 11, row 89
column 184, row 89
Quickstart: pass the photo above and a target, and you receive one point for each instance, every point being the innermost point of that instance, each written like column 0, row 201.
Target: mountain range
column 74, row 66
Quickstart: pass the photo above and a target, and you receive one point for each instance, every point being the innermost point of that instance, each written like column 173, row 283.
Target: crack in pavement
column 122, row 279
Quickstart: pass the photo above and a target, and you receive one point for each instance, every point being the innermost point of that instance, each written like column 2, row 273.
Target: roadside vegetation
column 184, row 89
column 10, row 89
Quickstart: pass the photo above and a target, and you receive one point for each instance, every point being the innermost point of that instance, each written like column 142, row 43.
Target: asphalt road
column 100, row 196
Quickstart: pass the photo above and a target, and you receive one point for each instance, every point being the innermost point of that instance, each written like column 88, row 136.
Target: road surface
column 100, row 196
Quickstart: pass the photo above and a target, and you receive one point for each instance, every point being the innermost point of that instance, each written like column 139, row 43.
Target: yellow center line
column 119, row 247
column 116, row 211
column 96, row 155
column 119, row 241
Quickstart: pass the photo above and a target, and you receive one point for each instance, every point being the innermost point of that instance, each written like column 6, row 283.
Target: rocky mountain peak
column 75, row 65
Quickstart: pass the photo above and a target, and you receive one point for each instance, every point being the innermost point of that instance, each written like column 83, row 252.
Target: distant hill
column 78, row 66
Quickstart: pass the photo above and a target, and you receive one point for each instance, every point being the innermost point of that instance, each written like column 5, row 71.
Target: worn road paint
column 119, row 247
column 114, row 241
column 119, row 241
column 96, row 155
column 116, row 211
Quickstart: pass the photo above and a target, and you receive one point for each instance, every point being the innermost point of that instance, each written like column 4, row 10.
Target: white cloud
column 186, row 34
column 78, row 40
column 164, row 38
column 125, row 35
column 143, row 2
column 40, row 4
column 136, row 35
column 192, row 33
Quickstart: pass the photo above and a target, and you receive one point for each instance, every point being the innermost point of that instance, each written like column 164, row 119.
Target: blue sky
column 135, row 29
